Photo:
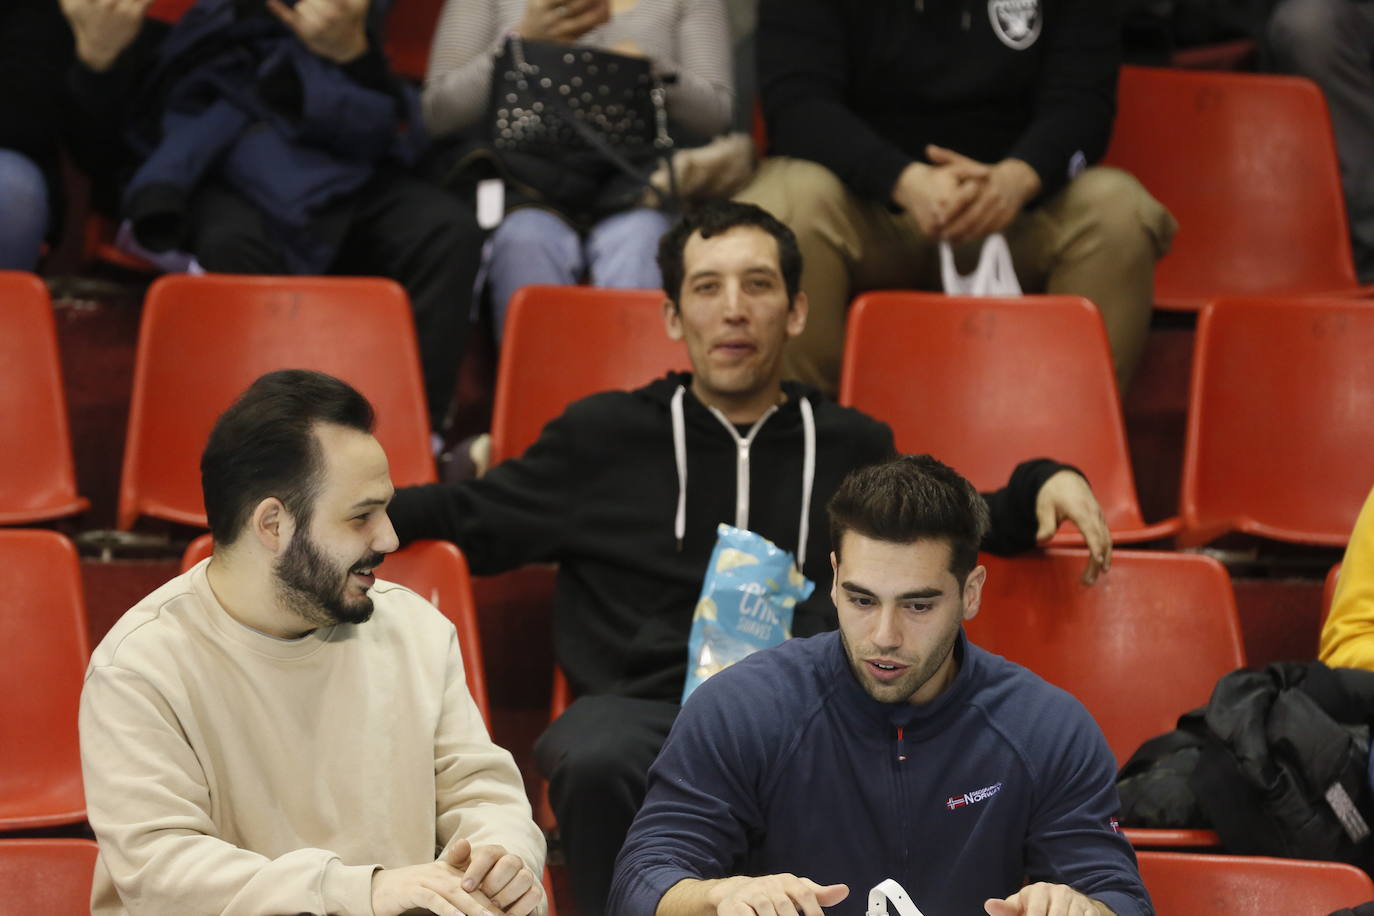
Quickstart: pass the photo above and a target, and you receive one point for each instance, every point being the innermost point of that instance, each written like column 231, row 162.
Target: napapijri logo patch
column 1016, row 22
column 954, row 802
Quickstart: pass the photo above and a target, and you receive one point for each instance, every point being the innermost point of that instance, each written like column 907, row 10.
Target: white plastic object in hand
column 890, row 890
column 994, row 275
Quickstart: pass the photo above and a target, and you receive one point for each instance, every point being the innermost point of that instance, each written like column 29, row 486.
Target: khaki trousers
column 1099, row 237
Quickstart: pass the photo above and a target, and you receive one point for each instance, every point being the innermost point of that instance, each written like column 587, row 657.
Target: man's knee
column 1306, row 35
column 803, row 194
column 22, row 186
column 1117, row 211
column 532, row 231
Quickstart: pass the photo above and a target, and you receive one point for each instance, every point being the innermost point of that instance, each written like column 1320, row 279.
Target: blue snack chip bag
column 746, row 603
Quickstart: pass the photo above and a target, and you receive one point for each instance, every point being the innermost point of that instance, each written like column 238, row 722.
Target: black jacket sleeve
column 520, row 512
column 1012, row 508
column 803, row 74
column 1075, row 97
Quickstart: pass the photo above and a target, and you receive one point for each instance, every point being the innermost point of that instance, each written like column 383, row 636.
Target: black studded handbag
column 576, row 127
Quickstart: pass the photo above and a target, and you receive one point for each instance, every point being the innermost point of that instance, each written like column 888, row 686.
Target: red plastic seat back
column 1280, row 420
column 205, row 339
column 1247, row 165
column 983, row 384
column 409, row 33
column 37, row 477
column 438, row 572
column 563, row 343
column 1144, row 645
column 43, row 656
column 48, row 876
column 1190, row 884
column 169, row 10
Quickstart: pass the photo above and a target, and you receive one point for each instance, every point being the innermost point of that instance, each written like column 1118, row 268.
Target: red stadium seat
column 1099, row 641
column 169, row 10
column 1144, row 645
column 1279, row 432
column 563, row 343
column 45, row 651
column 437, row 571
column 409, row 33
column 37, row 477
column 205, row 339
column 1247, row 164
column 985, row 383
column 1183, row 884
column 47, row 876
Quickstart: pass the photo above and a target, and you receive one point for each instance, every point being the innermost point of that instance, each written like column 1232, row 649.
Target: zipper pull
column 920, row 6
column 968, row 20
column 901, row 747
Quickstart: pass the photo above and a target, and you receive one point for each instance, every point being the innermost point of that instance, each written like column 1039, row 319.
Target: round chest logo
column 1016, row 22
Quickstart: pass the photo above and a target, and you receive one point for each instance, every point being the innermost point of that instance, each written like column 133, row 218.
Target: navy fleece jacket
column 783, row 763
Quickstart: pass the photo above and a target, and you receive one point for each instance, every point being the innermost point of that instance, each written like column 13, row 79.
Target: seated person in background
column 610, row 237
column 1347, row 638
column 1331, row 42
column 625, row 491
column 894, row 748
column 276, row 730
column 35, row 51
column 267, row 138
column 894, row 126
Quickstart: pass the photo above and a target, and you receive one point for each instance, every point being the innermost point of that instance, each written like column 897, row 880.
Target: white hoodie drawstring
column 680, row 454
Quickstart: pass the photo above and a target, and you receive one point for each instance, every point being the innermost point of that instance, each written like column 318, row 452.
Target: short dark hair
column 714, row 217
column 908, row 499
column 264, row 445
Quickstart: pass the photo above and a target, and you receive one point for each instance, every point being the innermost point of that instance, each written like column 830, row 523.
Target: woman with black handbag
column 571, row 101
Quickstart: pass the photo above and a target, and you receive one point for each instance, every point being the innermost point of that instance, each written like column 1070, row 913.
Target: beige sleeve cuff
column 347, row 889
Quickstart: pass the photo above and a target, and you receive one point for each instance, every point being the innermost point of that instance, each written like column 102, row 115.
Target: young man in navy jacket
column 893, row 748
column 625, row 490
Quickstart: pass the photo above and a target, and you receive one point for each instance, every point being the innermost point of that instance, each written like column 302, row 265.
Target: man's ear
column 271, row 524
column 672, row 319
column 796, row 315
column 973, row 591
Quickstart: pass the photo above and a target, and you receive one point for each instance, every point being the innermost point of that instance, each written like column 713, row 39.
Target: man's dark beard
column 314, row 588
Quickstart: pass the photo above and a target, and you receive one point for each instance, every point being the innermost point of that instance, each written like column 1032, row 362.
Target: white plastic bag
column 994, row 275
column 890, row 890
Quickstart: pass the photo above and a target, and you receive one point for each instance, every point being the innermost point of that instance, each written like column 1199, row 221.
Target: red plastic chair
column 45, row 651
column 1184, row 884
column 438, row 572
column 1247, row 164
column 1279, row 421
column 985, row 383
column 205, row 339
column 37, row 477
column 562, row 343
column 410, row 30
column 47, row 876
column 169, row 10
column 1141, row 647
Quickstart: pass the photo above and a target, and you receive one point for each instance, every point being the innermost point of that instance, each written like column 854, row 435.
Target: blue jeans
column 533, row 246
column 23, row 211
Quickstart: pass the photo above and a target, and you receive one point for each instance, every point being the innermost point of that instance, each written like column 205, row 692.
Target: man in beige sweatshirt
column 279, row 732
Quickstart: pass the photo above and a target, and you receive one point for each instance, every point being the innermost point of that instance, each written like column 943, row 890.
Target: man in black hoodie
column 625, row 490
column 894, row 125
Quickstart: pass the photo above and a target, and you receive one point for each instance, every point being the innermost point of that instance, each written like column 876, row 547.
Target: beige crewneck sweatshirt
column 230, row 772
